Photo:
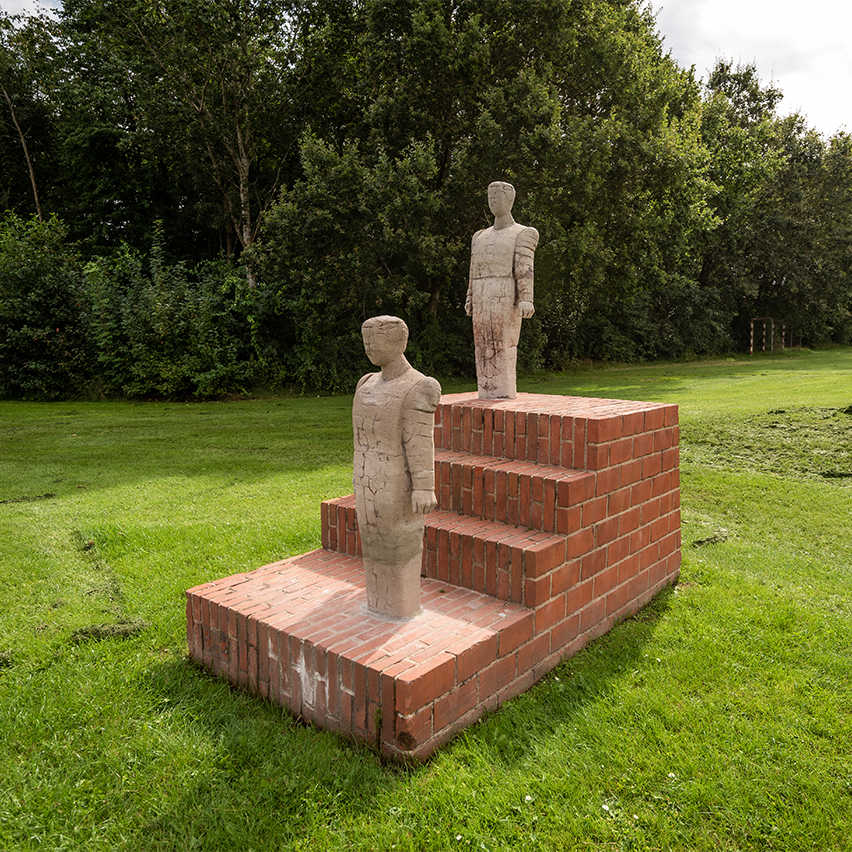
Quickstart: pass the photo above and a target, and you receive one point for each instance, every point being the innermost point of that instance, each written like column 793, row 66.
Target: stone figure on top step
column 500, row 293
column 394, row 467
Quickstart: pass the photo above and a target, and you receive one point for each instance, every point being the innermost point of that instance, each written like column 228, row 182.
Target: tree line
column 207, row 195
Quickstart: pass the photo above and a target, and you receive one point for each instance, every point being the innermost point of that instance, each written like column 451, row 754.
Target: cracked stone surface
column 500, row 293
column 393, row 467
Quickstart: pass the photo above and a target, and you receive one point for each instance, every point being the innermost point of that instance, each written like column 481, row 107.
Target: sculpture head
column 501, row 197
column 385, row 339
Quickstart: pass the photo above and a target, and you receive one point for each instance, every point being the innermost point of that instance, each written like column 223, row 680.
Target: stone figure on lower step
column 394, row 467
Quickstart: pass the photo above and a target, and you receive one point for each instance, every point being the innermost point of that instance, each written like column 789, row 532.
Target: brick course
column 557, row 517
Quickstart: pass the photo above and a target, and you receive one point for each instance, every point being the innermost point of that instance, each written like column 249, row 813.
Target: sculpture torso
column 388, row 453
column 380, row 463
column 492, row 252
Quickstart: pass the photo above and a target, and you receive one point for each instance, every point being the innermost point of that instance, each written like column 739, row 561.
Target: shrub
column 44, row 349
column 166, row 330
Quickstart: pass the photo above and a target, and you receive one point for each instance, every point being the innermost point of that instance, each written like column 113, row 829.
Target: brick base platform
column 558, row 517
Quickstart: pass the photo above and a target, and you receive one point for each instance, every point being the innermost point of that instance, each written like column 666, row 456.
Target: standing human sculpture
column 394, row 467
column 500, row 293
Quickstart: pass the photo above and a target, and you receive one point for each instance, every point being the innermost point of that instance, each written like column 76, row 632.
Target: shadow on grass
column 265, row 754
column 82, row 448
column 662, row 379
column 267, row 778
column 514, row 733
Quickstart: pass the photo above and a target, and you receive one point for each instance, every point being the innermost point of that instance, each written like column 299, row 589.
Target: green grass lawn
column 717, row 718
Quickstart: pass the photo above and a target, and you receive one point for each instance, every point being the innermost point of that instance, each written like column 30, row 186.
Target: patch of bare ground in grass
column 799, row 442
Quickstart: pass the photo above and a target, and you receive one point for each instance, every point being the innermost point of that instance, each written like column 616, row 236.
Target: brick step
column 299, row 633
column 485, row 556
column 515, row 492
column 573, row 432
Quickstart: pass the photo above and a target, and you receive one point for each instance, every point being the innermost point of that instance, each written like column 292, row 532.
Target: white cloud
column 16, row 7
column 805, row 49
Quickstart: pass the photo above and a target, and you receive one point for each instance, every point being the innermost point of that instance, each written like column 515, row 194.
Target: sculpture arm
column 525, row 246
column 355, row 436
column 468, row 302
column 418, row 441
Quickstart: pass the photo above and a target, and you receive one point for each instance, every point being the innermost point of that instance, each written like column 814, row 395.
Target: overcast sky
column 804, row 47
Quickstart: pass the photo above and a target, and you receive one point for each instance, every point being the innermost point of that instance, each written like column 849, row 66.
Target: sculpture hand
column 527, row 309
column 468, row 307
column 423, row 502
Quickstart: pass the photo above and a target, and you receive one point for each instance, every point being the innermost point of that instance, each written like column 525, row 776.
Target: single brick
column 606, row 531
column 592, row 614
column 578, row 597
column 618, row 501
column 476, row 658
column 605, row 581
column 564, row 577
column 537, row 591
column 533, row 652
column 579, row 543
column 651, row 465
column 592, row 563
column 608, row 480
column 598, row 456
column 513, row 635
column 455, row 703
column 643, row 445
column 573, row 491
column 564, row 632
column 421, row 684
column 414, row 728
column 655, row 419
column 568, row 520
column 605, row 429
column 543, row 557
column 549, row 614
column 594, row 510
column 621, row 451
column 496, row 676
column 618, row 550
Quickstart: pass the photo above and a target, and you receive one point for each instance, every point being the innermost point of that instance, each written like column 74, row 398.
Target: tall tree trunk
column 26, row 152
column 246, row 234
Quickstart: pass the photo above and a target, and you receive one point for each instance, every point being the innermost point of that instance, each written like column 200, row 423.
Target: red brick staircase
column 557, row 517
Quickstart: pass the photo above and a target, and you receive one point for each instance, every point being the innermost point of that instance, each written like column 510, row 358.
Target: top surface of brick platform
column 565, row 406
column 583, row 433
column 320, row 597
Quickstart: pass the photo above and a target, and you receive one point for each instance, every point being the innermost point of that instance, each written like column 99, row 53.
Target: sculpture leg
column 496, row 330
column 508, row 375
column 392, row 556
column 393, row 589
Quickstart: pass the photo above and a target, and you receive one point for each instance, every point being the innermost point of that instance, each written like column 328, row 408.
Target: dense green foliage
column 124, row 325
column 44, row 352
column 716, row 719
column 334, row 154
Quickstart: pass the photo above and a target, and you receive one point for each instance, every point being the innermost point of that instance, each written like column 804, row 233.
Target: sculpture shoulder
column 527, row 238
column 425, row 393
column 477, row 234
column 363, row 380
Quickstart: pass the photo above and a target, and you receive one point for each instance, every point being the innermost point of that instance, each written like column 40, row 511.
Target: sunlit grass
column 717, row 718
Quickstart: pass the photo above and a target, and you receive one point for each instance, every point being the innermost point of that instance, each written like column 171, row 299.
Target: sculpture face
column 383, row 341
column 501, row 197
